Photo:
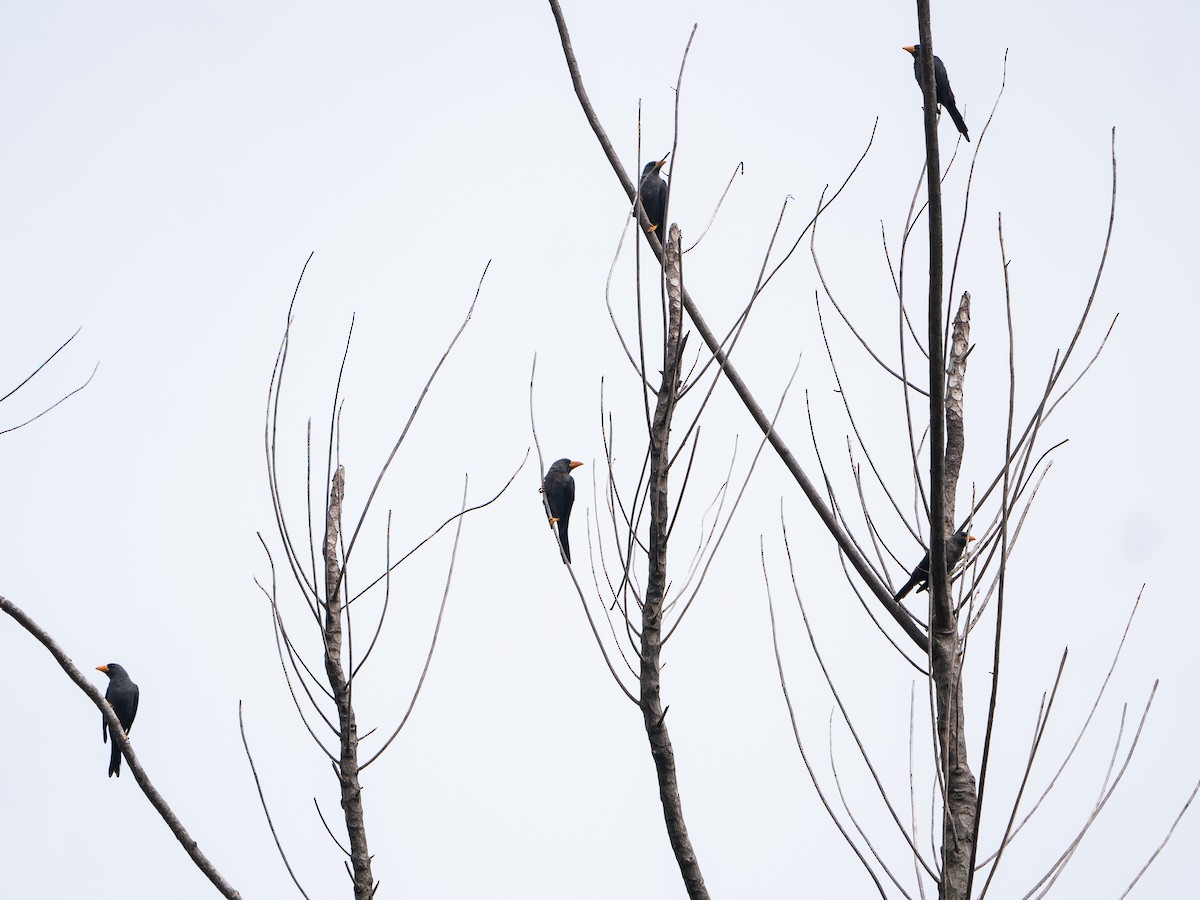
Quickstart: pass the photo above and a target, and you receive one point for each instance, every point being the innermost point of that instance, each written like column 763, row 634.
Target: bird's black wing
column 122, row 695
column 560, row 497
column 919, row 576
column 133, row 708
column 564, row 518
column 945, row 96
column 654, row 201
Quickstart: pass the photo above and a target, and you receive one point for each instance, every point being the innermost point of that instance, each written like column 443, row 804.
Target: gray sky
column 166, row 173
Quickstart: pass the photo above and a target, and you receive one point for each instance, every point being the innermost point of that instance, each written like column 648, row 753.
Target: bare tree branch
column 117, row 733
column 263, row 800
column 812, row 777
column 761, row 419
column 1158, row 850
column 651, row 691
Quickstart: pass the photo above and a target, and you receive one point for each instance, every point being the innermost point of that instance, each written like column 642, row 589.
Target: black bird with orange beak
column 559, row 488
column 122, row 696
column 654, row 197
column 945, row 96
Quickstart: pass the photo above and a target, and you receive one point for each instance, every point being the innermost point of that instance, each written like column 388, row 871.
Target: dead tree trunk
column 660, row 520
column 360, row 858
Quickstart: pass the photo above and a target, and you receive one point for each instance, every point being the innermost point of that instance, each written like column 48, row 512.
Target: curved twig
column 263, row 800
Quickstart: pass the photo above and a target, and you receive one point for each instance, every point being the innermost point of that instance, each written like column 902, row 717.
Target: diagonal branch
column 117, row 732
column 761, row 419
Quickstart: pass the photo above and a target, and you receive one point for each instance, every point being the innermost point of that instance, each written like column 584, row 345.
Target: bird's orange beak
column 575, row 465
column 970, row 537
column 103, row 669
column 910, row 49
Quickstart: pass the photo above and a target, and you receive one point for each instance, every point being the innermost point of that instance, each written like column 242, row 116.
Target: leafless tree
column 321, row 684
column 642, row 603
column 937, row 643
column 638, row 604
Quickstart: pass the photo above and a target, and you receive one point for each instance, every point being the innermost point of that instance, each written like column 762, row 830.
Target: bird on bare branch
column 945, row 96
column 919, row 578
column 559, row 488
column 122, row 696
column 653, row 192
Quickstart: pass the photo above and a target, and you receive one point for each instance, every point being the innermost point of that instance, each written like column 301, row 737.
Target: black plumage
column 559, row 488
column 920, row 575
column 654, row 197
column 945, row 96
column 122, row 696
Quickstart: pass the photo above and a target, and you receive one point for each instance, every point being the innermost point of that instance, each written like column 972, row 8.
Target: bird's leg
column 553, row 521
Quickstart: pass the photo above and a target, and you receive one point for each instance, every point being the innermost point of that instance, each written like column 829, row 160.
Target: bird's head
column 111, row 669
column 564, row 466
column 914, row 49
column 653, row 166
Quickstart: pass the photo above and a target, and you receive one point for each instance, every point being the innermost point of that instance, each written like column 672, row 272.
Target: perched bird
column 654, row 197
column 920, row 575
column 122, row 696
column 945, row 96
column 559, row 488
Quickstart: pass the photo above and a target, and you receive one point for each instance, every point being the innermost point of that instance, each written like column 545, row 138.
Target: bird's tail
column 958, row 121
column 114, row 761
column 566, row 545
column 909, row 585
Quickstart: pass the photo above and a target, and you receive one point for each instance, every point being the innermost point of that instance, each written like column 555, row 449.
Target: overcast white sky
column 166, row 171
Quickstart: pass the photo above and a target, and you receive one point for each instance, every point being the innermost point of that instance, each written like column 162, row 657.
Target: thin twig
column 437, row 628
column 812, row 776
column 263, row 800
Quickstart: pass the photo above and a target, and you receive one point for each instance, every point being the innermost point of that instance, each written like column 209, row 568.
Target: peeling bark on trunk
column 352, row 808
column 651, row 692
column 958, row 818
column 956, row 375
column 958, row 821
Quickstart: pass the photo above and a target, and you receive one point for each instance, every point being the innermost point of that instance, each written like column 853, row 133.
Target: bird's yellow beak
column 103, row 669
column 970, row 537
column 910, row 49
column 575, row 464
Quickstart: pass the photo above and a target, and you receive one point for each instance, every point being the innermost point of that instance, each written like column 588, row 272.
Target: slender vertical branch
column 262, row 799
column 1004, row 518
column 940, row 525
column 958, row 819
column 650, row 699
